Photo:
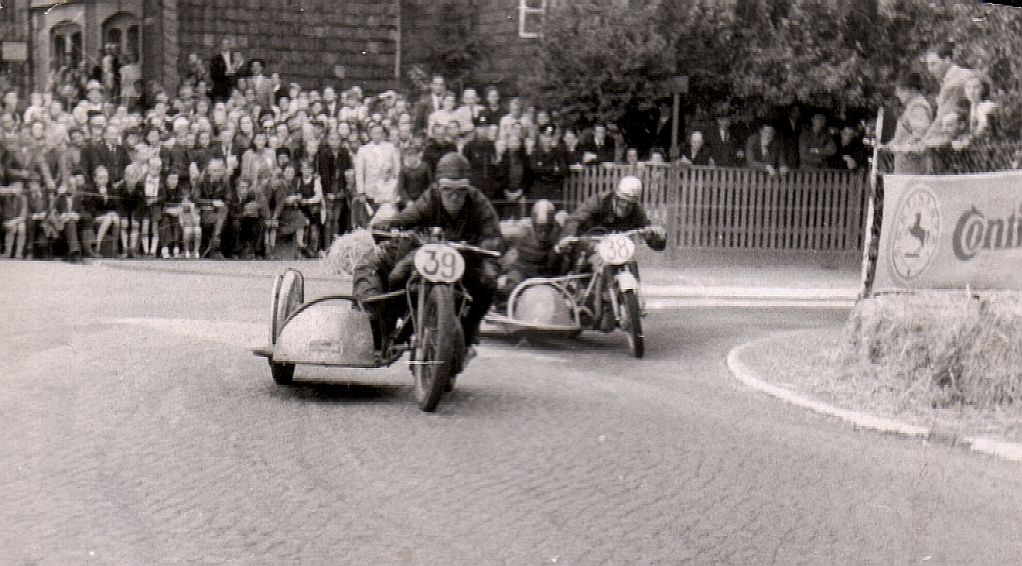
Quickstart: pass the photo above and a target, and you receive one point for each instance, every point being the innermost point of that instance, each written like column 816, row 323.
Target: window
column 531, row 14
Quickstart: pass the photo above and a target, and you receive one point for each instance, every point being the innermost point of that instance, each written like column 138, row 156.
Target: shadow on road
column 339, row 392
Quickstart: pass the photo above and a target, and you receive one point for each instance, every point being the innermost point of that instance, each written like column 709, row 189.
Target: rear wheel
column 631, row 321
column 434, row 355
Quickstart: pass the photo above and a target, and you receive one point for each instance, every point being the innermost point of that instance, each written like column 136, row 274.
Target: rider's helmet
column 452, row 173
column 453, row 167
column 629, row 189
column 543, row 218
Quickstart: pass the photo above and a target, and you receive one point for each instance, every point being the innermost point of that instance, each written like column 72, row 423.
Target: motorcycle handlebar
column 419, row 239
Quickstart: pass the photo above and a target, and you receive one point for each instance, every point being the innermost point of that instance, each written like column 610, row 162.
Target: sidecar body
column 541, row 305
column 330, row 331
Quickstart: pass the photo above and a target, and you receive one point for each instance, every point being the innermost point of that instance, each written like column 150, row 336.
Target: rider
column 618, row 210
column 464, row 214
column 533, row 255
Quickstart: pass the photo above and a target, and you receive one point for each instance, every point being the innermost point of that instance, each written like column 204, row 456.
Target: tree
column 599, row 59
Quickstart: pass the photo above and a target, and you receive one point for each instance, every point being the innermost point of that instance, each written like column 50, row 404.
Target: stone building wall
column 313, row 42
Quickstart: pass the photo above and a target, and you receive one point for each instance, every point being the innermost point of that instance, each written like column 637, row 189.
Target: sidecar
column 541, row 305
column 333, row 330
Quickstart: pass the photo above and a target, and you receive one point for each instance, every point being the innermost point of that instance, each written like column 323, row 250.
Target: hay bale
column 946, row 348
column 349, row 250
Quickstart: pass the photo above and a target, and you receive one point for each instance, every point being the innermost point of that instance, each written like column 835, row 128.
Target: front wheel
column 434, row 355
column 631, row 321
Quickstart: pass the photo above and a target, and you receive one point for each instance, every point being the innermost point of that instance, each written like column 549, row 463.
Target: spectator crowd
column 236, row 160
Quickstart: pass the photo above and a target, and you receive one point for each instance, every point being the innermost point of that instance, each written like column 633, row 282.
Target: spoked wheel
column 288, row 296
column 434, row 355
column 631, row 321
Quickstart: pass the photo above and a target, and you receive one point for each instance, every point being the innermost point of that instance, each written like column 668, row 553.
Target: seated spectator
column 213, row 194
column 36, row 225
column 102, row 202
column 67, row 216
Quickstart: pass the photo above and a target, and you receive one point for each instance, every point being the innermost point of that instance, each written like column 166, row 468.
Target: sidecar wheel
column 282, row 373
column 632, row 317
column 435, row 352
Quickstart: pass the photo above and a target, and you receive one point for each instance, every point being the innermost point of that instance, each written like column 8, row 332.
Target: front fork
column 623, row 280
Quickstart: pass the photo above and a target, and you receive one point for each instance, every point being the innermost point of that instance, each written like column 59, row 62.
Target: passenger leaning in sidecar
column 464, row 214
column 617, row 211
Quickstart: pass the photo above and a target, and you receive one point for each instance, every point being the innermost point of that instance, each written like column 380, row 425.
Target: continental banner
column 949, row 232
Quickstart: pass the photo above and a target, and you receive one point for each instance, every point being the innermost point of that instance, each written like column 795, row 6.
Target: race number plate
column 439, row 263
column 616, row 249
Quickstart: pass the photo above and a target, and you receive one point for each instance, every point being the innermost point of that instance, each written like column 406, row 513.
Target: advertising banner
column 950, row 232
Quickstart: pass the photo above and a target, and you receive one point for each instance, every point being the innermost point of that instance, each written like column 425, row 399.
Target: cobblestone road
column 138, row 428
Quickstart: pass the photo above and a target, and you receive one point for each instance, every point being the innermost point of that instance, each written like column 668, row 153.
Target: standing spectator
column 513, row 120
column 908, row 143
column 597, row 148
column 548, row 167
column 572, row 149
column 512, row 171
column 787, row 136
column 763, row 152
column 439, row 145
column 416, row 175
column 170, row 222
column 222, row 68
column 261, row 84
column 152, row 209
column 481, row 154
column 190, row 220
column 377, row 165
column 468, row 113
column 430, row 103
column 492, row 111
column 331, row 163
column 977, row 119
column 446, row 114
column 816, row 145
column 696, row 152
column 38, row 210
column 850, row 153
column 952, row 91
column 310, row 187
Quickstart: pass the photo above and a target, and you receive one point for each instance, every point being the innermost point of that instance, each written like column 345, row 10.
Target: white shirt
column 376, row 170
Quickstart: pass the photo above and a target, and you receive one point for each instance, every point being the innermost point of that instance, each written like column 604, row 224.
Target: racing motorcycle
column 604, row 297
column 335, row 330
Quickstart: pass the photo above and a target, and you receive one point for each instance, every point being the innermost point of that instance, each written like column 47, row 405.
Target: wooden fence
column 734, row 208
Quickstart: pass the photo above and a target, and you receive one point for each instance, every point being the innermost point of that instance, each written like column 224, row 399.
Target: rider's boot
column 607, row 313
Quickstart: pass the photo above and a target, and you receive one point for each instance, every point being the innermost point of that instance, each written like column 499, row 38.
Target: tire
column 282, row 373
column 632, row 317
column 436, row 347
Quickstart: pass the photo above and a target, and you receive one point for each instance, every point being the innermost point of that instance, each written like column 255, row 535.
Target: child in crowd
column 190, row 220
column 311, row 189
column 153, row 207
column 131, row 207
column 170, row 220
column 14, row 211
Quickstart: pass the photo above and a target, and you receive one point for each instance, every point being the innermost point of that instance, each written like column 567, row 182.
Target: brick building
column 310, row 41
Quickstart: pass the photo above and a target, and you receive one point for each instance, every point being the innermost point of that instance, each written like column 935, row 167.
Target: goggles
column 453, row 185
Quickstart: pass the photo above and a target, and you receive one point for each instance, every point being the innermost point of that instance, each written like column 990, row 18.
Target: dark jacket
column 476, row 223
column 598, row 212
